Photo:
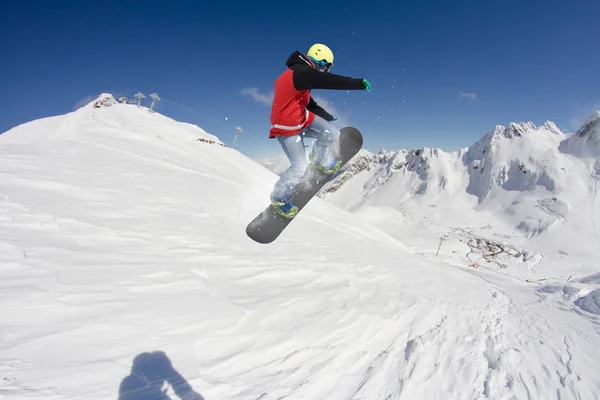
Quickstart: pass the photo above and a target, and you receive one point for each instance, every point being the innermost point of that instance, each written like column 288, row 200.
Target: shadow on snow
column 151, row 376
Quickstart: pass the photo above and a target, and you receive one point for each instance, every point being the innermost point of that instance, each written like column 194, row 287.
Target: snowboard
column 268, row 225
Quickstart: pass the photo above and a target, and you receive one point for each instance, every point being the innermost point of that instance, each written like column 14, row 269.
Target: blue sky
column 443, row 72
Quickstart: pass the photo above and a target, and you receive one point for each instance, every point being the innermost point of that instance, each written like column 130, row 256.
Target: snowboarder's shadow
column 150, row 377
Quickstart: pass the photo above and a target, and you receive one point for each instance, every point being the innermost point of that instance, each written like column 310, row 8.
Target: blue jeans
column 293, row 147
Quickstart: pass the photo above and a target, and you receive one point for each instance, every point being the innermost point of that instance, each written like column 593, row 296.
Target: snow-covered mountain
column 125, row 272
column 515, row 157
column 585, row 142
column 531, row 178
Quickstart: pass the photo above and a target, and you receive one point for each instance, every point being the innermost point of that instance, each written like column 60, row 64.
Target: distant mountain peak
column 586, row 141
column 551, row 126
column 515, row 129
column 591, row 127
column 518, row 157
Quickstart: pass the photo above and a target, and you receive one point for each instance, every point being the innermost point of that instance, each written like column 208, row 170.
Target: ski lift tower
column 154, row 97
column 238, row 130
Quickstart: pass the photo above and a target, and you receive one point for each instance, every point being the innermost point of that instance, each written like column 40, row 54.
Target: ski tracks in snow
column 460, row 357
column 538, row 349
column 310, row 327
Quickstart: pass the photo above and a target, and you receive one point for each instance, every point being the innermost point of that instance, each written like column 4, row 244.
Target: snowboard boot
column 330, row 169
column 285, row 208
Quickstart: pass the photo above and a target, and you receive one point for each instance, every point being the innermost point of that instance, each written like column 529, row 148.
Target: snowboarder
column 294, row 114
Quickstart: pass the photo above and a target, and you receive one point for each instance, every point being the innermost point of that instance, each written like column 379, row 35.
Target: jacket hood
column 298, row 58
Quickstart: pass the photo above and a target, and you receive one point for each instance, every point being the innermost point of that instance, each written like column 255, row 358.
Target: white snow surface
column 275, row 165
column 125, row 272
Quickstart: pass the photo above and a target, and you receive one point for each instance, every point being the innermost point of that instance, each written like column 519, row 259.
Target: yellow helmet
column 320, row 52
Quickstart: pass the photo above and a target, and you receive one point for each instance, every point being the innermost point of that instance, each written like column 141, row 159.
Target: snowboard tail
column 269, row 224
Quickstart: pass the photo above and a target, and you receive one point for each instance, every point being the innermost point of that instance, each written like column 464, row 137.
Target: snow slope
column 125, row 273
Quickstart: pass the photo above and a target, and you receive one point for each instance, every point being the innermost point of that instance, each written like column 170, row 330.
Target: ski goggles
column 324, row 66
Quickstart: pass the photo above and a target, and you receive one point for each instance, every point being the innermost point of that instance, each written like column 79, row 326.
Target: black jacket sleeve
column 309, row 78
column 313, row 107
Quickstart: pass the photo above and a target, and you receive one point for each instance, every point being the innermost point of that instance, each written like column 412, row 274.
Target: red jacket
column 293, row 108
